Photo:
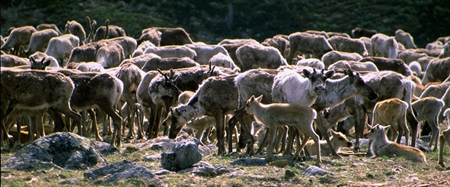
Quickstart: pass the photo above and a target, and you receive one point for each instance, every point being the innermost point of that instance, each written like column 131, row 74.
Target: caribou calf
column 338, row 140
column 392, row 112
column 381, row 146
column 427, row 110
column 278, row 114
column 445, row 137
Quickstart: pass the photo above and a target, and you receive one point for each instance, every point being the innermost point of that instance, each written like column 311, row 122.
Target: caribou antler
column 165, row 76
column 91, row 26
column 211, row 70
column 172, row 77
column 32, row 60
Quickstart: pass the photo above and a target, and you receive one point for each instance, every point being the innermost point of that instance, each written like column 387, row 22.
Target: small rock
column 182, row 136
column 163, row 146
column 184, row 155
column 32, row 180
column 314, row 170
column 104, row 148
column 130, row 149
column 152, row 157
column 208, row 149
column 235, row 172
column 424, row 138
column 62, row 176
column 357, row 164
column 123, row 170
column 393, row 178
column 69, row 182
column 250, row 162
column 162, row 143
column 205, row 169
column 362, row 142
column 40, row 173
column 288, row 174
column 279, row 163
column 222, row 169
column 162, row 172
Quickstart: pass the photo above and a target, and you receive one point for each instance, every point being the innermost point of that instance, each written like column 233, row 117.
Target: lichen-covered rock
column 207, row 170
column 123, row 170
column 104, row 148
column 250, row 162
column 314, row 170
column 420, row 144
column 288, row 174
column 72, row 182
column 60, row 150
column 208, row 149
column 183, row 155
column 161, row 143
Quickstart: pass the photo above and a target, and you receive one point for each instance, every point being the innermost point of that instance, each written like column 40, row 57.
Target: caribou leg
column 319, row 124
column 94, row 128
column 414, row 126
column 231, row 124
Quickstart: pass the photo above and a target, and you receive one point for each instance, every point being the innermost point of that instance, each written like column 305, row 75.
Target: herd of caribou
column 281, row 91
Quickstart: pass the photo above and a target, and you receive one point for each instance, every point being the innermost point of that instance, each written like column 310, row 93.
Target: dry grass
column 348, row 171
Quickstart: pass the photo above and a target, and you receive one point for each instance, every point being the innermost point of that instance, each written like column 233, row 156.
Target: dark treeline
column 211, row 21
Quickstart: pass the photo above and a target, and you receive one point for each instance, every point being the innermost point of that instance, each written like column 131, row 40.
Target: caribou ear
column 177, row 111
column 329, row 74
column 252, row 99
column 46, row 63
column 306, row 73
column 259, row 98
column 350, row 72
column 32, row 60
column 377, row 126
column 385, row 127
column 326, row 113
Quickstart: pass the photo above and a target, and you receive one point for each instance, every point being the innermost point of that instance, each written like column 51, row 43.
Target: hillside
column 211, row 21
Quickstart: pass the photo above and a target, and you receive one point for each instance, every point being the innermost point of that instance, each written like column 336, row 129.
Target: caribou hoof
column 140, row 137
column 10, row 141
column 369, row 154
column 17, row 146
column 336, row 157
column 99, row 139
